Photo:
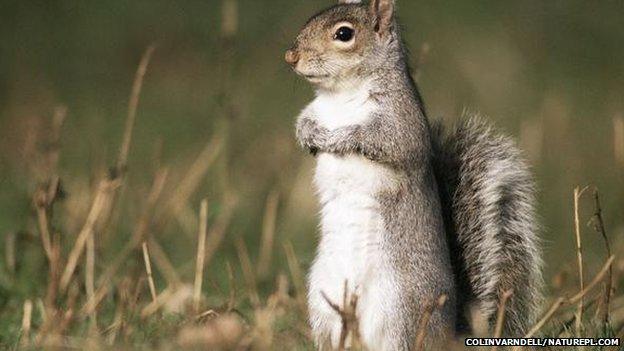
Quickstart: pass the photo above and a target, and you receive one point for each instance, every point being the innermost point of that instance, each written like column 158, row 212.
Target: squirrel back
column 487, row 196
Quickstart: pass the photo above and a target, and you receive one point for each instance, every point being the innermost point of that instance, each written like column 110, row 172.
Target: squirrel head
column 346, row 43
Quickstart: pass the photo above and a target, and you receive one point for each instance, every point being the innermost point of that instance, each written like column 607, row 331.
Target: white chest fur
column 338, row 109
column 352, row 226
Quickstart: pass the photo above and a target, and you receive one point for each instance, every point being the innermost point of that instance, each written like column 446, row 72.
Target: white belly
column 351, row 222
column 352, row 230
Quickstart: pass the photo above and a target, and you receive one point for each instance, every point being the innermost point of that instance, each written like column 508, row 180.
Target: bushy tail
column 488, row 197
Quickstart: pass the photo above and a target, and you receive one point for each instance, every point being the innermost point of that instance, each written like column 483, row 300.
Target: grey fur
column 462, row 220
column 488, row 197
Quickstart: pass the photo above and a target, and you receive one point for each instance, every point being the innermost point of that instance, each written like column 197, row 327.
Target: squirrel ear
column 383, row 12
column 349, row 1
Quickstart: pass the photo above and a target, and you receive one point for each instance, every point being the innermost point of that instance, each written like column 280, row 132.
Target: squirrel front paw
column 311, row 135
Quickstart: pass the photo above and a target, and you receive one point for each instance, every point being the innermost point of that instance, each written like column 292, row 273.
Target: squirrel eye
column 344, row 34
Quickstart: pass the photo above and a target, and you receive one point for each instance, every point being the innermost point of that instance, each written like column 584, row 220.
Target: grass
column 83, row 300
column 88, row 201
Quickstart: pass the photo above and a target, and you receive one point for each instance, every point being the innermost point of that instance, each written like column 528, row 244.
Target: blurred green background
column 550, row 73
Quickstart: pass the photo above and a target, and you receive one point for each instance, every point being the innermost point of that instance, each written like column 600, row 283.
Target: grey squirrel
column 409, row 211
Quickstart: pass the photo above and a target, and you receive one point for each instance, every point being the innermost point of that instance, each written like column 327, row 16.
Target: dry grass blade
column 296, row 274
column 46, row 195
column 92, row 303
column 43, row 200
column 579, row 255
column 163, row 263
column 113, row 329
column 206, row 314
column 263, row 331
column 9, row 251
column 551, row 311
column 268, row 234
column 229, row 15
column 155, row 305
column 500, row 317
column 248, row 274
column 219, row 228
column 348, row 317
column 201, row 252
column 232, row 285
column 54, row 271
column 140, row 231
column 217, row 231
column 102, row 197
column 43, row 311
column 42, row 221
column 603, row 271
column 132, row 108
column 223, row 332
column 187, row 218
column 90, row 275
column 191, row 180
column 72, row 296
column 574, row 299
column 136, row 294
column 280, row 295
column 26, row 322
column 600, row 228
column 421, row 335
column 148, row 269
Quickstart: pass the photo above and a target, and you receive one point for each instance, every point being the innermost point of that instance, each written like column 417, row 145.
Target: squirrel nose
column 292, row 57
